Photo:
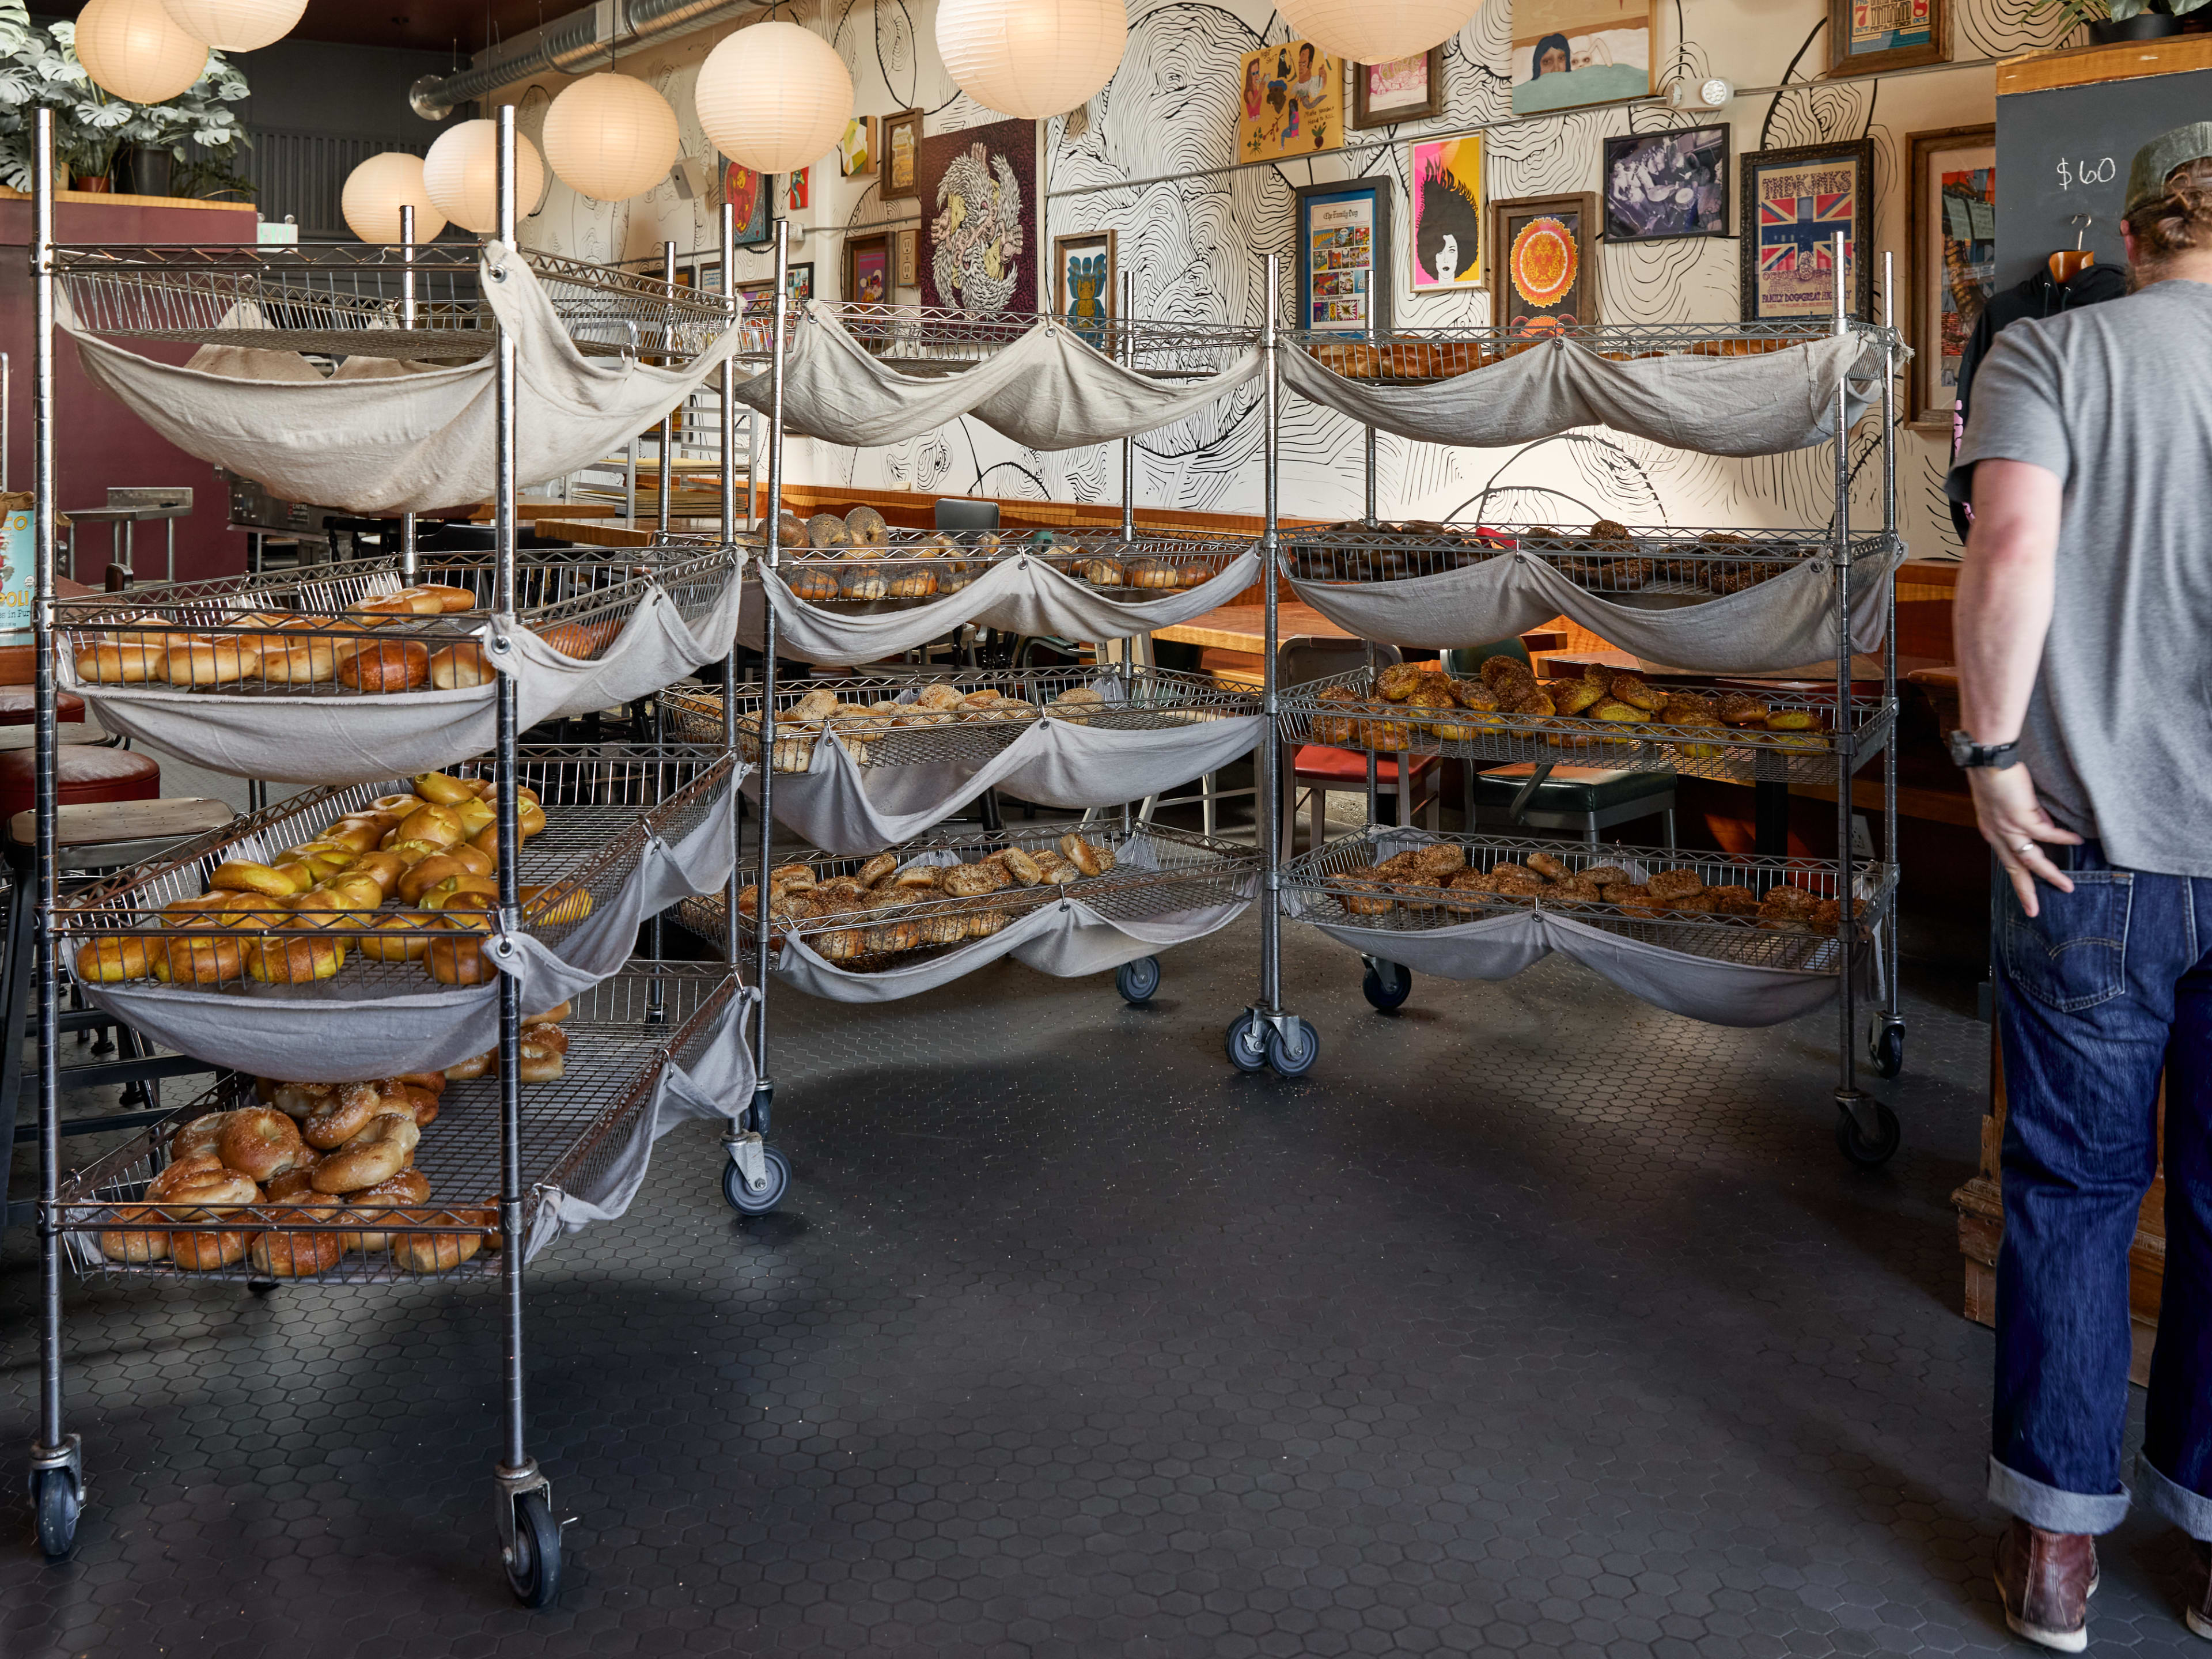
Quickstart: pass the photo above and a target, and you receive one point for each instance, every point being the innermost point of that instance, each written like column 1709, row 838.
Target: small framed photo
column 1950, row 261
column 856, row 150
column 900, row 169
column 1873, row 37
column 1662, row 186
column 868, row 269
column 801, row 278
column 908, row 245
column 1085, row 278
column 1794, row 202
column 1408, row 89
column 798, row 190
column 1344, row 257
column 1543, row 272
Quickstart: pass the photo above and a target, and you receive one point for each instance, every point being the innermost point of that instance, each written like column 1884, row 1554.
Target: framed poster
column 1567, row 53
column 1408, row 89
column 979, row 218
column 901, row 144
column 856, row 150
column 1085, row 280
column 1662, row 186
column 1344, row 257
column 1447, row 175
column 1873, row 37
column 1952, row 261
column 1543, row 277
column 797, row 192
column 747, row 192
column 868, row 269
column 1291, row 102
column 801, row 281
column 757, row 295
column 1794, row 202
column 908, row 244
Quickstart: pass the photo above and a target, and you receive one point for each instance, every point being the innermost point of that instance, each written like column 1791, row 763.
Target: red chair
column 85, row 773
column 1321, row 771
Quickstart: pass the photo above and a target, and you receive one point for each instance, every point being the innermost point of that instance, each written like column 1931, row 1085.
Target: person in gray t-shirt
column 2084, row 630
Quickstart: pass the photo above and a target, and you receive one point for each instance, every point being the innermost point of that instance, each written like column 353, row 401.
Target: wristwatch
column 1965, row 751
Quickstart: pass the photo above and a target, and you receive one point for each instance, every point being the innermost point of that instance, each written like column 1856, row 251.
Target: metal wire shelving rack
column 415, row 301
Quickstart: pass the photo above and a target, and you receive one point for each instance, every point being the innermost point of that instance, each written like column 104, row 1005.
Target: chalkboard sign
column 2065, row 152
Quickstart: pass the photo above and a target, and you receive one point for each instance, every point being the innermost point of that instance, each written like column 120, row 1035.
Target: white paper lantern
column 774, row 97
column 461, row 173
column 375, row 192
column 1031, row 58
column 1375, row 31
column 131, row 49
column 609, row 136
column 235, row 25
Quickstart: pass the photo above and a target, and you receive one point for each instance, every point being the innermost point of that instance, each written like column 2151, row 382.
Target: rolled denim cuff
column 2054, row 1510
column 2189, row 1510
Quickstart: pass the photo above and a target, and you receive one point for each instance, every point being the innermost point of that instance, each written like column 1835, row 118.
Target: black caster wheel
column 1887, row 1050
column 54, row 1492
column 747, row 1201
column 1387, row 985
column 1869, row 1154
column 1294, row 1055
column 1248, row 1044
column 1137, row 981
column 533, row 1571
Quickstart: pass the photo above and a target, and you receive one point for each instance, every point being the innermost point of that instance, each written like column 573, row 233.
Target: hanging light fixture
column 235, row 25
column 461, row 173
column 609, row 137
column 131, row 49
column 775, row 97
column 1031, row 58
column 1375, row 31
column 375, row 192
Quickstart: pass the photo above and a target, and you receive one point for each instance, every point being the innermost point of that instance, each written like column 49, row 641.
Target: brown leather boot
column 2198, row 1612
column 2045, row 1580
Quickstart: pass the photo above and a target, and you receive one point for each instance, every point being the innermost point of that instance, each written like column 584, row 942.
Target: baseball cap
column 2157, row 159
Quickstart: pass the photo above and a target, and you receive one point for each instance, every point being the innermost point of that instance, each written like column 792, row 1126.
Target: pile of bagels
column 296, row 918
column 858, row 726
column 852, row 558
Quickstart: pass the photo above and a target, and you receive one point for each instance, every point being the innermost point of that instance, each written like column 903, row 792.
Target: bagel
column 208, row 960
column 397, row 806
column 199, row 1188
column 552, row 1016
column 128, row 1241
column 377, row 1153
column 211, row 662
column 462, row 1070
column 449, row 893
column 301, row 1099
column 199, row 1139
column 540, row 1062
column 378, row 1203
column 459, row 961
column 438, row 1252
column 123, row 664
column 375, row 665
column 239, row 876
column 342, row 1115
column 262, row 1142
column 293, row 1183
column 385, row 869
column 566, row 904
column 396, row 938
column 305, row 1254
column 294, row 959
column 205, row 1251
column 550, row 1038
column 450, row 599
column 434, row 1081
column 111, row 960
column 291, row 661
column 442, row 789
column 423, row 1103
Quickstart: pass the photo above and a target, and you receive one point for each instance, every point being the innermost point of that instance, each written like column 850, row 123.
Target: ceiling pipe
column 577, row 44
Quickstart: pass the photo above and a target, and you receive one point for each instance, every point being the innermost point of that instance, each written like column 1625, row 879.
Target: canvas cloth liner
column 325, row 739
column 1020, row 595
column 1047, row 390
column 413, row 441
column 322, row 1033
column 718, row 1085
column 1786, row 621
column 1762, row 405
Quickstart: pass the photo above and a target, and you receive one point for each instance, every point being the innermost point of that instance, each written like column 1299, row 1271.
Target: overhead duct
column 576, row 44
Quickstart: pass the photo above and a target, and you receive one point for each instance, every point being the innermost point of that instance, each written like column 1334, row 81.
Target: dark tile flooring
column 1531, row 1322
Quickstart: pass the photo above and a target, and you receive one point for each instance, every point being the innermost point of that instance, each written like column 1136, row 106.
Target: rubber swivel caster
column 1387, row 984
column 1887, row 1049
column 1137, row 981
column 747, row 1199
column 533, row 1567
column 1858, row 1148
column 1292, row 1049
column 54, row 1493
column 1247, row 1043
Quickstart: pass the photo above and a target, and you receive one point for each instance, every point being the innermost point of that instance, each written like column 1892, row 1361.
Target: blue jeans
column 2106, row 989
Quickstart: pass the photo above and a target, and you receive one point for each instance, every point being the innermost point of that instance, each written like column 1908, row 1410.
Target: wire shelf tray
column 1337, row 883
column 1157, row 871
column 296, row 635
column 1665, row 566
column 344, row 299
column 1416, row 354
column 602, row 803
column 912, row 566
column 898, row 732
column 1344, row 711
column 923, row 339
column 621, row 1034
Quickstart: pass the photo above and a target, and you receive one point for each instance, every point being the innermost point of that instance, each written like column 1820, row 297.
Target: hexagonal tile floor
column 1532, row 1321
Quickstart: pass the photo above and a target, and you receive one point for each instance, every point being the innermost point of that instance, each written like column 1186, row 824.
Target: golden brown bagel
column 376, row 1154
column 261, row 1142
column 375, row 665
column 113, row 958
column 204, row 961
column 294, row 958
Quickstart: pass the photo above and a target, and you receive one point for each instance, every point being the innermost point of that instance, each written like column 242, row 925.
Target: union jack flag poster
column 1798, row 201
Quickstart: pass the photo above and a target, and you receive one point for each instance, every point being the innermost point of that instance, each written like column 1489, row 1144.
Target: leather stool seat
column 1572, row 788
column 85, row 773
column 19, row 706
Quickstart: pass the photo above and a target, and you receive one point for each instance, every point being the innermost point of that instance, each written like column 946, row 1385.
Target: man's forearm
column 2002, row 611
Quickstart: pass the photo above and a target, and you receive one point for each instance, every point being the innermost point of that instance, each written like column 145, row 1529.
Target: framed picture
column 1543, row 277
column 868, row 269
column 796, row 192
column 908, row 243
column 1290, row 102
column 1085, row 278
column 1408, row 89
column 1662, row 186
column 979, row 218
column 1793, row 204
column 747, row 192
column 709, row 277
column 1567, row 53
column 1952, row 258
column 1873, row 37
column 756, row 295
column 900, row 175
column 801, row 280
column 1447, row 175
column 856, row 150
column 1344, row 256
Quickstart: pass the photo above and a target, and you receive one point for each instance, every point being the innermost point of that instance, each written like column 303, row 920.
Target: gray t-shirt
column 2115, row 399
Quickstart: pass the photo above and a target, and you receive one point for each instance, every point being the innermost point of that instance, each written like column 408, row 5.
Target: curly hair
column 2178, row 220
